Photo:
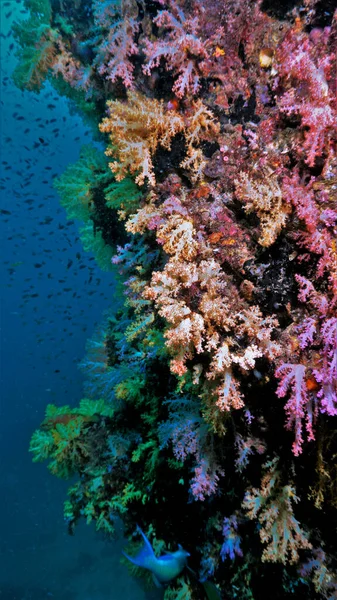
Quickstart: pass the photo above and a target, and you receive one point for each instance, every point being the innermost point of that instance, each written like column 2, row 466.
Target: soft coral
column 303, row 75
column 180, row 47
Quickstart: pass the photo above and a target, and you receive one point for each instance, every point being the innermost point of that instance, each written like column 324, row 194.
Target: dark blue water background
column 47, row 313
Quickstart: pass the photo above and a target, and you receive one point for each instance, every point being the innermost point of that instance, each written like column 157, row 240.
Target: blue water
column 48, row 310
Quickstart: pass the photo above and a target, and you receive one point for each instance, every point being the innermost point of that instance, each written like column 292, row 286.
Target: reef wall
column 211, row 385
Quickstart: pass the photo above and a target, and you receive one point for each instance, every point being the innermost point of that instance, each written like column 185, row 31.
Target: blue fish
column 163, row 569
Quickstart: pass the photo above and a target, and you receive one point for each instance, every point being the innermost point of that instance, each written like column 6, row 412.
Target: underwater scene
column 169, row 300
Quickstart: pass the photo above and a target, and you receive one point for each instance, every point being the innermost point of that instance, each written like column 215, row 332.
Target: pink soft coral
column 303, row 72
column 113, row 58
column 299, row 406
column 205, row 481
column 180, row 47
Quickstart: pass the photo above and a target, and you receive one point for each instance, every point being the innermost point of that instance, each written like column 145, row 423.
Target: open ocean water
column 52, row 297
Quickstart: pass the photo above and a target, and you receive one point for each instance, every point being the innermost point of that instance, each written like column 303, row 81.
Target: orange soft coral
column 136, row 129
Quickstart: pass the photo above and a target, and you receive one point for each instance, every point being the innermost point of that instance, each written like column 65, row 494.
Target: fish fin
column 145, row 553
column 130, row 558
column 193, row 572
column 156, row 581
column 182, row 549
column 147, row 543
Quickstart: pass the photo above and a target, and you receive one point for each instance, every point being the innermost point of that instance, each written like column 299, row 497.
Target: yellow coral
column 272, row 505
column 189, row 330
column 228, row 393
column 194, row 162
column 137, row 127
column 139, row 221
column 177, row 237
column 201, row 125
column 267, row 201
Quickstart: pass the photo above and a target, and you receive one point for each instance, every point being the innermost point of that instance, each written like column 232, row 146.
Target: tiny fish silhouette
column 163, row 569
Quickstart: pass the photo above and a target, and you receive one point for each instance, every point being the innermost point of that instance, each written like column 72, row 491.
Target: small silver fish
column 163, row 569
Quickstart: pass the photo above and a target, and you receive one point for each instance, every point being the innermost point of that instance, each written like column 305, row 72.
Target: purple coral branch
column 299, row 406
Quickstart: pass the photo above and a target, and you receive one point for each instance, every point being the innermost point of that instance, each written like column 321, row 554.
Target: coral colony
column 210, row 406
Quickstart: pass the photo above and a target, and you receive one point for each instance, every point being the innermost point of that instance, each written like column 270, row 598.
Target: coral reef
column 211, row 388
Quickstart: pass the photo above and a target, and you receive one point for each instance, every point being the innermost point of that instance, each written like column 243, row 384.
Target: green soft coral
column 77, row 184
column 35, row 62
column 93, row 241
column 40, row 8
column 37, row 41
column 87, row 500
column 90, row 408
column 180, row 591
column 62, row 437
column 123, row 196
column 77, row 188
column 41, row 445
column 89, row 194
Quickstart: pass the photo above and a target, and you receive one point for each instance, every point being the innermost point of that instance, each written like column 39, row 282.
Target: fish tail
column 133, row 560
column 145, row 556
column 147, row 543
